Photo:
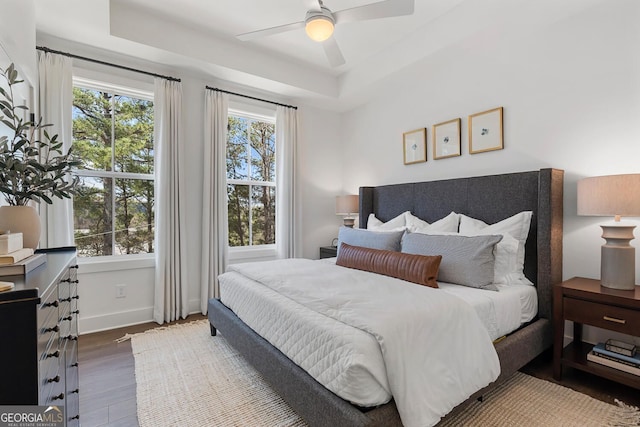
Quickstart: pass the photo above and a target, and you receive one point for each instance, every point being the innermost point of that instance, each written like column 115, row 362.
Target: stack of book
column 14, row 259
column 618, row 355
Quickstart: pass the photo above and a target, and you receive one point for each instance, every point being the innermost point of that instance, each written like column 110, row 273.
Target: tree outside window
column 113, row 138
column 251, row 188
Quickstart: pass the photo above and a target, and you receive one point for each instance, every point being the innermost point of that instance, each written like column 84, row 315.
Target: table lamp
column 347, row 206
column 617, row 196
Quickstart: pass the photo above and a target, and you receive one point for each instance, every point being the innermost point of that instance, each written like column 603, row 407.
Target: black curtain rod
column 251, row 97
column 71, row 55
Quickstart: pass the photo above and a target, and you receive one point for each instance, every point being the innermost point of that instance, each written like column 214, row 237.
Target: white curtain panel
column 214, row 196
column 55, row 101
column 287, row 224
column 171, row 288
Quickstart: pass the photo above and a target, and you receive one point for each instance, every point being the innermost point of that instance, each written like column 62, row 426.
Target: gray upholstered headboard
column 490, row 199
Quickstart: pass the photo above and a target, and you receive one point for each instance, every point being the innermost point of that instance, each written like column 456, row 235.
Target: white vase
column 22, row 219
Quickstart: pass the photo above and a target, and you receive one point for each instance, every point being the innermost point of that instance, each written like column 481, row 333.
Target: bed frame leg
column 213, row 330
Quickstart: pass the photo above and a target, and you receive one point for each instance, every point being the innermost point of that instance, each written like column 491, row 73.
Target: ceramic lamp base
column 618, row 258
column 349, row 222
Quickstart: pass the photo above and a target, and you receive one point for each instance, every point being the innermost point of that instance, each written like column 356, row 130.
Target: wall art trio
column 484, row 129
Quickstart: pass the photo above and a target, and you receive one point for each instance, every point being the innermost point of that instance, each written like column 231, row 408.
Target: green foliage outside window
column 251, row 157
column 113, row 140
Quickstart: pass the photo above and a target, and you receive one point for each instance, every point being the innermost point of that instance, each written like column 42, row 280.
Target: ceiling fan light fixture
column 319, row 27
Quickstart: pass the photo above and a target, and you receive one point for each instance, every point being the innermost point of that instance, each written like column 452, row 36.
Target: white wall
column 18, row 36
column 571, row 98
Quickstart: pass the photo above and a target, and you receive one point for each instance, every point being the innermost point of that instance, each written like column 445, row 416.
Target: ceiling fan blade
column 334, row 55
column 383, row 9
column 270, row 31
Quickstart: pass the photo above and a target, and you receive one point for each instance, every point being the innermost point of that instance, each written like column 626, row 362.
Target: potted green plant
column 32, row 164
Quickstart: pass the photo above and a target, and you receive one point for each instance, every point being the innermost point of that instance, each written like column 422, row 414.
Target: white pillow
column 396, row 224
column 447, row 224
column 516, row 227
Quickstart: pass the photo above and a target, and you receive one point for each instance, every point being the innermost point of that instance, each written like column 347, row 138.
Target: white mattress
column 344, row 359
column 348, row 360
column 366, row 336
column 501, row 312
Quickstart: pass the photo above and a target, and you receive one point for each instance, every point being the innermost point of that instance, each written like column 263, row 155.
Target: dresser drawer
column 602, row 315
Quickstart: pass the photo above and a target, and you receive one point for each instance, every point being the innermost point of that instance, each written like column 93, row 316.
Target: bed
column 487, row 198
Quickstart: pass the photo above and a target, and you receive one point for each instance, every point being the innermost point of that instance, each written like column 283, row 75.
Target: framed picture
column 414, row 145
column 446, row 139
column 485, row 131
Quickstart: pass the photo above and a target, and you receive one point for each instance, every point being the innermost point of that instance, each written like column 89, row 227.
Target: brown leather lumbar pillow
column 420, row 269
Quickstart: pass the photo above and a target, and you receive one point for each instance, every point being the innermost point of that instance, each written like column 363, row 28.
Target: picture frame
column 414, row 146
column 445, row 139
column 485, row 131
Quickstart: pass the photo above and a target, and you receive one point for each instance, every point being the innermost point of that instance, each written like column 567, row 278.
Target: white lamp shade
column 347, row 205
column 319, row 28
column 611, row 195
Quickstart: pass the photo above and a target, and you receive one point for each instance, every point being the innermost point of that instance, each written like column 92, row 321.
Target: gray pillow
column 466, row 260
column 386, row 240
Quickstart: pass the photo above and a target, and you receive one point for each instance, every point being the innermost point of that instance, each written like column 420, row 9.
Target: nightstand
column 585, row 302
column 328, row 251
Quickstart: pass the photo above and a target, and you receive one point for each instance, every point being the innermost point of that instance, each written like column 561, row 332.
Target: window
column 113, row 138
column 251, row 175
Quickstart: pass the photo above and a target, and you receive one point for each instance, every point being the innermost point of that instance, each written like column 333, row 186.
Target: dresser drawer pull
column 74, row 266
column 67, row 318
column 613, row 319
column 54, row 354
column 51, row 304
column 75, row 312
column 75, row 297
column 75, row 391
column 68, row 280
column 54, row 329
column 74, row 365
column 55, row 379
column 65, row 299
column 71, row 338
column 58, row 397
column 77, row 417
column 74, row 281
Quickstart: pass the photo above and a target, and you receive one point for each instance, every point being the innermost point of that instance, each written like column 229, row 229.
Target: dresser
column 39, row 336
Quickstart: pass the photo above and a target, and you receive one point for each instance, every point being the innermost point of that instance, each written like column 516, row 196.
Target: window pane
column 238, row 208
column 134, row 216
column 263, row 214
column 134, row 135
column 92, row 217
column 92, row 128
column 263, row 151
column 237, row 163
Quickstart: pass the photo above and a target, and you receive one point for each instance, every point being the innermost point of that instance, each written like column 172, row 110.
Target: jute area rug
column 187, row 378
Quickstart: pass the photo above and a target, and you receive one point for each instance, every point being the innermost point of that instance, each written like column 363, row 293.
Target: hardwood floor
column 107, row 377
column 108, row 386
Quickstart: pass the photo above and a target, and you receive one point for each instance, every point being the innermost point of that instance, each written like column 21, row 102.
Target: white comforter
column 435, row 349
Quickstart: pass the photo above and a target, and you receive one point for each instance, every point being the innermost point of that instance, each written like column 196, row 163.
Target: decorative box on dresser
column 585, row 301
column 39, row 333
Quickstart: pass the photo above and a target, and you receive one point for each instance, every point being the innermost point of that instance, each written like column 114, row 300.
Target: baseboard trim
column 105, row 322
column 121, row 319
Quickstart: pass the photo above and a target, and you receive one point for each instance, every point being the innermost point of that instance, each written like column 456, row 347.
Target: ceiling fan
column 319, row 23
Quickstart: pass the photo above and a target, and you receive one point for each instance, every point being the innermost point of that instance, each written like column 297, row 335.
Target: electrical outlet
column 121, row 291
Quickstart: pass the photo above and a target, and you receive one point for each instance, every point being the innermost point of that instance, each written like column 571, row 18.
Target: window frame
column 133, row 89
column 252, row 251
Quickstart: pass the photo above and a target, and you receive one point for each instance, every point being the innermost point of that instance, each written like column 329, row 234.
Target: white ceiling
column 200, row 34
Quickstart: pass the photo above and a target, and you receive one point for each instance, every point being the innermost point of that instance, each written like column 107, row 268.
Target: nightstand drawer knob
column 613, row 319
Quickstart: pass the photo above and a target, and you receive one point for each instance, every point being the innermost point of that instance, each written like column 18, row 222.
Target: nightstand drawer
column 603, row 316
